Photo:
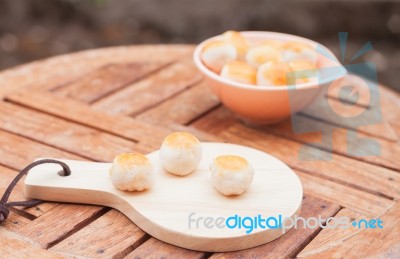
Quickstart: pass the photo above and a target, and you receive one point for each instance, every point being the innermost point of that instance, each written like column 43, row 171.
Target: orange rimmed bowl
column 269, row 104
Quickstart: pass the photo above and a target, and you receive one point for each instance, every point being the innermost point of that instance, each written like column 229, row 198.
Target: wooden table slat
column 375, row 125
column 7, row 175
column 15, row 246
column 183, row 108
column 154, row 248
column 81, row 63
column 15, row 221
column 64, row 135
column 356, row 200
column 17, row 151
column 99, row 238
column 388, row 152
column 367, row 242
column 152, row 90
column 106, row 80
column 60, row 222
column 82, row 113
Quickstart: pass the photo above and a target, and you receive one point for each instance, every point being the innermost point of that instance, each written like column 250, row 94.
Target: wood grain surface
column 95, row 104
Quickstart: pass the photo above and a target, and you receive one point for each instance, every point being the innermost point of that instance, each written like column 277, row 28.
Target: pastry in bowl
column 239, row 71
column 217, row 53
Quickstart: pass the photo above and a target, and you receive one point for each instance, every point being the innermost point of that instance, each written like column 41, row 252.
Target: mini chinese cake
column 180, row 153
column 261, row 54
column 239, row 71
column 132, row 172
column 217, row 53
column 296, row 50
column 231, row 175
column 305, row 70
column 238, row 41
column 273, row 73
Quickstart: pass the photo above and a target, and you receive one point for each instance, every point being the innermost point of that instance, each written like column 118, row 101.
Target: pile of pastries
column 180, row 154
column 261, row 62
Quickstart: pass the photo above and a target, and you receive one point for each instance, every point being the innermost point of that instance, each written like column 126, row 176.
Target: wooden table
column 95, row 104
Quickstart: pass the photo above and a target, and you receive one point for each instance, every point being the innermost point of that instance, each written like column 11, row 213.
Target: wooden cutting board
column 184, row 211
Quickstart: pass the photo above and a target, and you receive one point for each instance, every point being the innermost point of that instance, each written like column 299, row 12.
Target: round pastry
column 180, row 153
column 231, row 175
column 297, row 50
column 273, row 73
column 217, row 53
column 132, row 172
column 261, row 54
column 239, row 71
column 305, row 70
column 238, row 41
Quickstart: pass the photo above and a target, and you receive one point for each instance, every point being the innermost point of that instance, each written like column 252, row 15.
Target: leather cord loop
column 5, row 206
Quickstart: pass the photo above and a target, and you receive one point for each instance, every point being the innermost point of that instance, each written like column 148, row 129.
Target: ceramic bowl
column 269, row 104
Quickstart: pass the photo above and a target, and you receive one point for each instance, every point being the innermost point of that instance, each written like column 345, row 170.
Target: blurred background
column 36, row 29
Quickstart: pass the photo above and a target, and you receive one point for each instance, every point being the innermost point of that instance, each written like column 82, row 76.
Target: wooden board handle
column 87, row 178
